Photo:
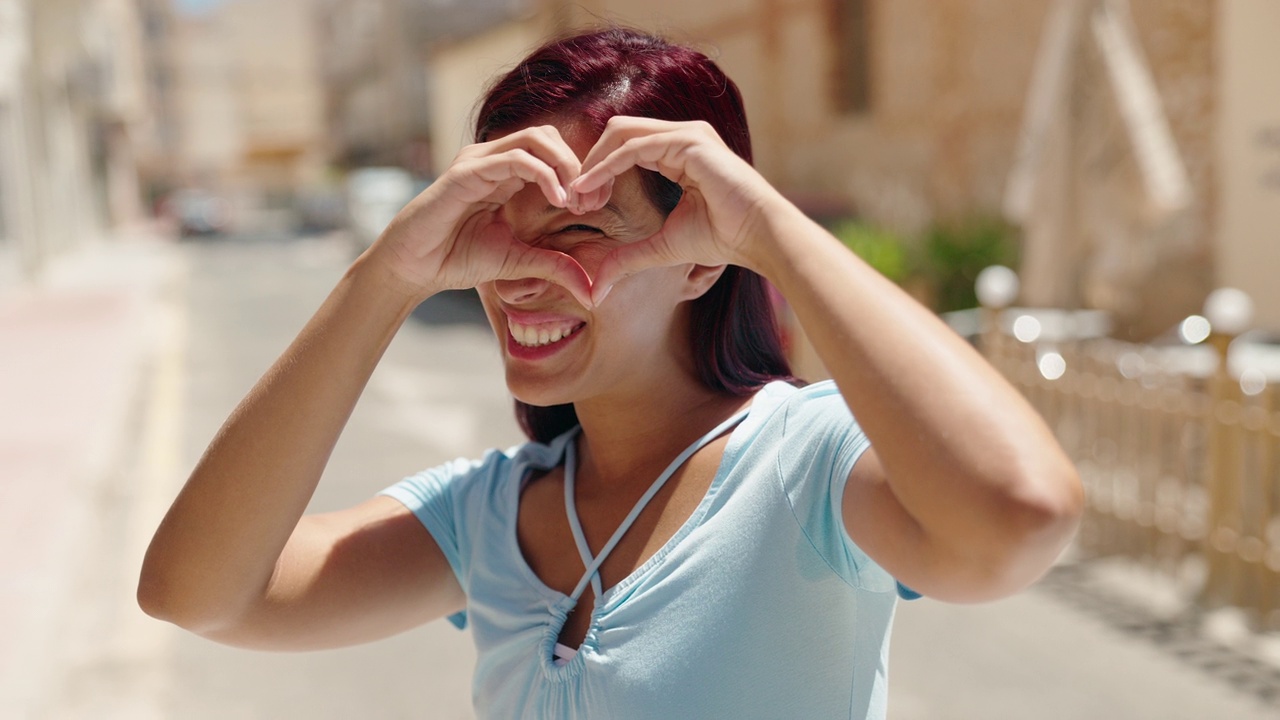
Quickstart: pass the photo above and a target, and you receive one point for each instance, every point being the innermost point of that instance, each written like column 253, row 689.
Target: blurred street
column 183, row 181
column 217, row 315
column 127, row 360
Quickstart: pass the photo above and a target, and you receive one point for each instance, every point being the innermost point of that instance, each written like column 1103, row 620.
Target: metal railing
column 1178, row 445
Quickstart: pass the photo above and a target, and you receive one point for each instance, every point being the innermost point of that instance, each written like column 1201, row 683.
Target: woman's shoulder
column 791, row 398
column 494, row 469
column 789, row 411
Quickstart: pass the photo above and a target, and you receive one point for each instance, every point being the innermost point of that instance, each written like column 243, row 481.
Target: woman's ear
column 699, row 279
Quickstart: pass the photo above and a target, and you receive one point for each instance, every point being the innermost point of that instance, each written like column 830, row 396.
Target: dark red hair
column 618, row 71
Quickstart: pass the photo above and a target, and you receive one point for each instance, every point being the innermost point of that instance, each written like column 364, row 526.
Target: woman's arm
column 965, row 494
column 234, row 546
column 234, row 559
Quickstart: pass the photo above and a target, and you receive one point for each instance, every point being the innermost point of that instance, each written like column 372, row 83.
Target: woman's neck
column 632, row 438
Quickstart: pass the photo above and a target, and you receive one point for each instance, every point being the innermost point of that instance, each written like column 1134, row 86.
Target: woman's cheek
column 589, row 256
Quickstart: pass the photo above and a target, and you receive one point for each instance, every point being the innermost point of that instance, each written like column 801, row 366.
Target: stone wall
column 948, row 86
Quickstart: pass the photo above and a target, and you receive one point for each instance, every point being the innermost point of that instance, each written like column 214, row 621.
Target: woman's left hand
column 718, row 216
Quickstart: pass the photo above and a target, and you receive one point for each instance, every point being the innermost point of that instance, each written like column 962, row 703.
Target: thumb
column 555, row 267
column 628, row 260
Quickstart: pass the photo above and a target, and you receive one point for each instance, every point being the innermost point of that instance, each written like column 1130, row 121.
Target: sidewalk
column 72, row 346
column 1094, row 639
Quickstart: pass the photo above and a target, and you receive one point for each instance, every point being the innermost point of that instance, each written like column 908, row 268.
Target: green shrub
column 955, row 252
column 879, row 248
column 941, row 268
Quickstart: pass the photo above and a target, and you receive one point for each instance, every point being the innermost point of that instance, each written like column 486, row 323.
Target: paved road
column 225, row 314
column 222, row 315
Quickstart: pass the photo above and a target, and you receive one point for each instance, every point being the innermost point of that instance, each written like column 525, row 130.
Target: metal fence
column 1178, row 449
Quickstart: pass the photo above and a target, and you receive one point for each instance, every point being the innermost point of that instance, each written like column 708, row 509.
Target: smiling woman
column 587, row 80
column 690, row 532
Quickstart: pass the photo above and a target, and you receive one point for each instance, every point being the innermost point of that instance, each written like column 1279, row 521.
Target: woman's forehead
column 577, row 133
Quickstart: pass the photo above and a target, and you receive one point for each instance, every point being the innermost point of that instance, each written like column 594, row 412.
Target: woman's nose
column 519, row 291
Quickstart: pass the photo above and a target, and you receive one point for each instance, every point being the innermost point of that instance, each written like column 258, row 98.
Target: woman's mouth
column 536, row 336
column 542, row 334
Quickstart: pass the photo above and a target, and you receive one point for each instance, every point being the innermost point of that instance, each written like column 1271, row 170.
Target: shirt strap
column 570, row 464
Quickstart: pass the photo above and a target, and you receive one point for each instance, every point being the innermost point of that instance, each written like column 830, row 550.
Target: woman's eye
column 581, row 229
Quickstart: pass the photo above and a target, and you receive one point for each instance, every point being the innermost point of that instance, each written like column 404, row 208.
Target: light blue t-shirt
column 760, row 606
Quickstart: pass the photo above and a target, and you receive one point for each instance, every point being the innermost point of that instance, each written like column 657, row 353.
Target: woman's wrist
column 779, row 228
column 375, row 273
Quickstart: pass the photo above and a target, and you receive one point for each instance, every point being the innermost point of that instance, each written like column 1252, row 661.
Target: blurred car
column 374, row 196
column 320, row 210
column 198, row 212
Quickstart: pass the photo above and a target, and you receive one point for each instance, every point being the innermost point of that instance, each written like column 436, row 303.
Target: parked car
column 374, row 196
column 198, row 212
column 320, row 209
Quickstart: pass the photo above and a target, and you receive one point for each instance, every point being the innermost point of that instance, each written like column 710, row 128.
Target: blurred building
column 909, row 112
column 375, row 83
column 156, row 148
column 1113, row 177
column 246, row 101
column 898, row 111
column 378, row 90
column 1246, row 198
column 73, row 102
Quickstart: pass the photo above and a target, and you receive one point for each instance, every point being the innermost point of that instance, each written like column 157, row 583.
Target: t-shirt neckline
column 611, row 597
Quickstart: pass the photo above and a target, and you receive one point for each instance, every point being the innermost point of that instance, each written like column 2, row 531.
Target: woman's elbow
column 1050, row 509
column 167, row 597
column 1039, row 524
column 154, row 596
column 160, row 596
column 1016, row 545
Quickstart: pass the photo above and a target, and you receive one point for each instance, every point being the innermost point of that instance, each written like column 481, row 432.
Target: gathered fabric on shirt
column 760, row 606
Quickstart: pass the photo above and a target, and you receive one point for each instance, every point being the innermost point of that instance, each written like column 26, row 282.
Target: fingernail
column 562, row 196
column 603, row 295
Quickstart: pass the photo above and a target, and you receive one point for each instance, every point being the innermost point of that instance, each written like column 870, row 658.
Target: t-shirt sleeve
column 821, row 443
column 434, row 497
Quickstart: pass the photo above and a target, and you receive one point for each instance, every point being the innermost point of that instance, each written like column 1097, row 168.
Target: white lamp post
column 1229, row 311
column 996, row 287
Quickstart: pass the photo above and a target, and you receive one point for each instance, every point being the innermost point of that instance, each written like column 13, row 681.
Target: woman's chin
column 539, row 393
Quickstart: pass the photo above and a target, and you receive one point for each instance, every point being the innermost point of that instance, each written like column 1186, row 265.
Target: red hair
column 594, row 76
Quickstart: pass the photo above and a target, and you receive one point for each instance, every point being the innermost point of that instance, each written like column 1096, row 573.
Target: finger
column 555, row 267
column 628, row 260
column 618, row 130
column 662, row 152
column 622, row 131
column 581, row 203
column 520, row 163
column 545, row 143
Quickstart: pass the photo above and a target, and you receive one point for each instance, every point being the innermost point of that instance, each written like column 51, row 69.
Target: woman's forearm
column 217, row 547
column 966, row 456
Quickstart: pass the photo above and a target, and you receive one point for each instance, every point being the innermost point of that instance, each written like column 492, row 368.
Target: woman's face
column 554, row 349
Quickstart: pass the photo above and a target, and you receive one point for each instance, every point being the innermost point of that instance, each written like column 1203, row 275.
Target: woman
column 688, row 534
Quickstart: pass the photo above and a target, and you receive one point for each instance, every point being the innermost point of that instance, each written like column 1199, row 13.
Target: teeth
column 537, row 336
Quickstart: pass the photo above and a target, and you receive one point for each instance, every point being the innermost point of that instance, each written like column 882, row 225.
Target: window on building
column 852, row 30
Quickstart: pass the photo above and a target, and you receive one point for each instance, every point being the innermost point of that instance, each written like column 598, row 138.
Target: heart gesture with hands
column 718, row 214
column 452, row 236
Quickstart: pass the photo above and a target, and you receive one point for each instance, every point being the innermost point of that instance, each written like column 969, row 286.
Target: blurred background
column 1087, row 189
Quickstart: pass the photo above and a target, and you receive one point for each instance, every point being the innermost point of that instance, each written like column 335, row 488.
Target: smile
column 543, row 334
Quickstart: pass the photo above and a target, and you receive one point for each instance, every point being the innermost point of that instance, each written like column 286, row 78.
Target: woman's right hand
column 451, row 237
column 261, row 574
